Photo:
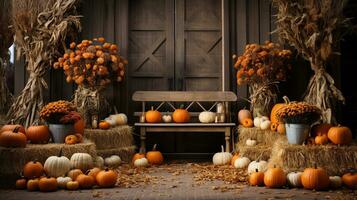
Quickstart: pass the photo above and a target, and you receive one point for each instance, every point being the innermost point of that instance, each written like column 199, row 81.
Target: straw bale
column 263, row 137
column 125, row 153
column 258, row 152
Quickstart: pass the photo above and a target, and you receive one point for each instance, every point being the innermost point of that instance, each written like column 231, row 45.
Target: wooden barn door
column 175, row 45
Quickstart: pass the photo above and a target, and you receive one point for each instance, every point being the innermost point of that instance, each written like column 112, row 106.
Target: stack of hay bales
column 265, row 141
column 333, row 158
column 115, row 141
column 12, row 160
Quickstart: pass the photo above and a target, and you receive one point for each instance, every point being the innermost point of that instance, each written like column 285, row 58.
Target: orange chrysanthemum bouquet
column 262, row 67
column 92, row 65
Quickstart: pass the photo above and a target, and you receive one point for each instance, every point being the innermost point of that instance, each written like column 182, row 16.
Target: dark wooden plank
column 264, row 20
column 253, row 21
column 184, row 96
column 180, row 44
column 226, row 53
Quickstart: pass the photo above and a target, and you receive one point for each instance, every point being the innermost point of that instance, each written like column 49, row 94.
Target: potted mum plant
column 262, row 67
column 61, row 117
column 92, row 65
column 298, row 118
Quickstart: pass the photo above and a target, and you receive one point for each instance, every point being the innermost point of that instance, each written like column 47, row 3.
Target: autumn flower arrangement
column 299, row 113
column 92, row 65
column 262, row 67
column 60, row 112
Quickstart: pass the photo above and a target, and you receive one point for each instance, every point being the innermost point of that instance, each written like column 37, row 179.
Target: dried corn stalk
column 6, row 39
column 313, row 27
column 41, row 27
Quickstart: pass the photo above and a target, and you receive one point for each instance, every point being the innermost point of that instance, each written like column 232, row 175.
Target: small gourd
column 167, row 118
column 207, row 117
column 62, row 181
column 294, row 179
column 113, row 161
column 141, row 162
column 261, row 165
column 251, row 142
column 335, row 182
column 241, row 162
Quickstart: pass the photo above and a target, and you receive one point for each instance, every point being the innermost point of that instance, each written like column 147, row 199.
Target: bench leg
column 227, row 135
column 143, row 138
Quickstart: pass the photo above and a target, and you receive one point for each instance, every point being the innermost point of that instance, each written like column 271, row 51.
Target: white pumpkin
column 56, row 166
column 294, row 179
column 120, row 119
column 265, row 125
column 335, row 182
column 257, row 121
column 207, row 117
column 113, row 161
column 241, row 162
column 99, row 161
column 264, row 118
column 82, row 161
column 62, row 181
column 261, row 166
column 141, row 162
column 251, row 142
column 111, row 121
column 222, row 158
column 167, row 118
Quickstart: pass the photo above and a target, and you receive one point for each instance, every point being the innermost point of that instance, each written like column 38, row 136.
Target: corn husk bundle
column 92, row 64
column 6, row 39
column 262, row 67
column 313, row 27
column 41, row 28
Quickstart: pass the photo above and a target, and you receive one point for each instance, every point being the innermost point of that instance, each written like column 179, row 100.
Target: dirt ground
column 181, row 181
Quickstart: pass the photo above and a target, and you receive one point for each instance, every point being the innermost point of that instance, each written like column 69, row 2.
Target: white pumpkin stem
column 222, row 148
column 154, row 147
column 286, row 99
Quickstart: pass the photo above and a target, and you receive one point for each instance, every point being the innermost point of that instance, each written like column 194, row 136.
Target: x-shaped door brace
column 149, row 54
column 198, row 103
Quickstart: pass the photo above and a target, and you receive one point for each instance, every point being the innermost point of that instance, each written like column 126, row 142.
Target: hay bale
column 117, row 137
column 12, row 160
column 125, row 153
column 335, row 159
column 263, row 137
column 258, row 152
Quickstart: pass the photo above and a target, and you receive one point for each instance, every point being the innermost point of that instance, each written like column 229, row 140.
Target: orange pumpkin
column 32, row 184
column 33, row 169
column 340, row 135
column 47, row 184
column 74, row 173
column 256, row 178
column 181, row 115
column 154, row 157
column 276, row 107
column 274, row 126
column 72, row 185
column 320, row 129
column 21, row 184
column 13, row 138
column 94, row 172
column 315, row 179
column 107, row 178
column 79, row 126
column 247, row 122
column 71, row 139
column 153, row 116
column 85, row 181
column 350, row 180
column 234, row 158
column 274, row 178
column 281, row 128
column 10, row 127
column 321, row 139
column 38, row 134
column 104, row 125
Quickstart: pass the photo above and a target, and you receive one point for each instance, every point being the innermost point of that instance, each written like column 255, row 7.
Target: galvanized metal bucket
column 60, row 131
column 297, row 133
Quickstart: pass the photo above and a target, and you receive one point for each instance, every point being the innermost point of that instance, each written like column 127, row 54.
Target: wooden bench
column 192, row 97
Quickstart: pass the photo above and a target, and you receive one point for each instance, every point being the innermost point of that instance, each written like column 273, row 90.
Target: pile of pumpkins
column 261, row 175
column 245, row 118
column 313, row 178
column 322, row 134
column 113, row 121
column 153, row 157
column 81, row 171
column 16, row 136
column 180, row 115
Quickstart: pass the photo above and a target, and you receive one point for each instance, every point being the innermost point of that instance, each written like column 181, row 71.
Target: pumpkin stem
column 222, row 148
column 286, row 99
column 182, row 106
column 154, row 147
column 16, row 129
column 12, row 121
column 256, row 169
column 106, row 169
column 60, row 153
column 152, row 107
column 315, row 166
column 87, row 172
